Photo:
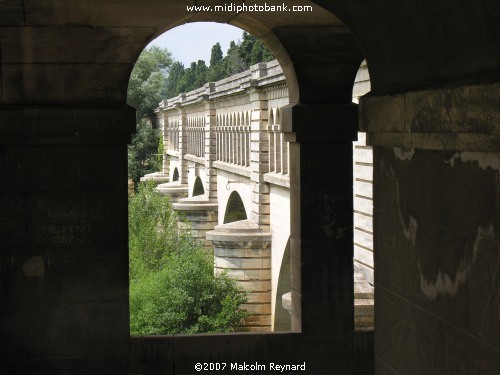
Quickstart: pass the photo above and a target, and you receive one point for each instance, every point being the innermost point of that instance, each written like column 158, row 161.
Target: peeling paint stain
column 34, row 267
column 444, row 284
column 403, row 153
column 451, row 161
column 484, row 160
column 410, row 232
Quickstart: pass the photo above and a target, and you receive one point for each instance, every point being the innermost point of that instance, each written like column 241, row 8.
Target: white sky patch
column 194, row 41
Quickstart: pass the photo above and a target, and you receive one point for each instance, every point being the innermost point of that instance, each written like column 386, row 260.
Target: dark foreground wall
column 179, row 354
column 63, row 239
column 437, row 220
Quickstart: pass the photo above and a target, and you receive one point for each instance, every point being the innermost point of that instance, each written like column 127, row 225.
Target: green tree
column 216, row 69
column 260, row 53
column 246, row 47
column 216, row 55
column 174, row 75
column 172, row 284
column 200, row 74
column 146, row 88
column 147, row 82
column 233, row 62
column 187, row 80
column 141, row 153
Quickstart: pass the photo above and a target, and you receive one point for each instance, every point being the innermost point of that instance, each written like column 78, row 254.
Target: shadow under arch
column 198, row 188
column 235, row 209
column 175, row 175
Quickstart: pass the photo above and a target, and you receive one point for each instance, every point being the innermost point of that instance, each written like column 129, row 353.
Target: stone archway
column 235, row 209
column 175, row 175
column 434, row 69
column 198, row 188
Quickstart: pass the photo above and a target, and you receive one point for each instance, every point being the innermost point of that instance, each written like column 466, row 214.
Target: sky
column 194, row 41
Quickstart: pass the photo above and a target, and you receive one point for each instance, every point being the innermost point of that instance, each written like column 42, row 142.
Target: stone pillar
column 210, row 150
column 64, row 239
column 175, row 190
column 259, row 157
column 243, row 248
column 201, row 216
column 437, row 228
column 322, row 217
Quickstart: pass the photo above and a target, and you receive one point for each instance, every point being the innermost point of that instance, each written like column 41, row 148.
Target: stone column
column 436, row 218
column 210, row 149
column 322, row 217
column 243, row 248
column 259, row 157
column 200, row 214
column 64, row 238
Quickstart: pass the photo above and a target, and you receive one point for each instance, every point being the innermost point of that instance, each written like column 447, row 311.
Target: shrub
column 172, row 287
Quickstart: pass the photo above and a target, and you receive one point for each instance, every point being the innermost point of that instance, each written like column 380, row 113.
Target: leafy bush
column 172, row 284
column 142, row 158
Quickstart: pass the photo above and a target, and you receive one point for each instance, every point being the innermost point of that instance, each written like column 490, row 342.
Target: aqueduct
column 431, row 118
column 227, row 161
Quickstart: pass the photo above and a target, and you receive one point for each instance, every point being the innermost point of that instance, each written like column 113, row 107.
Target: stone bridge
column 226, row 168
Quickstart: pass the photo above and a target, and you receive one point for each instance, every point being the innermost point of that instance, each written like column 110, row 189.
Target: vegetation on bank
column 173, row 289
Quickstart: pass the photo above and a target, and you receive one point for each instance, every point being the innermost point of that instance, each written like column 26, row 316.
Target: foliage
column 239, row 57
column 172, row 284
column 216, row 55
column 142, row 150
column 174, row 76
column 147, row 82
column 145, row 90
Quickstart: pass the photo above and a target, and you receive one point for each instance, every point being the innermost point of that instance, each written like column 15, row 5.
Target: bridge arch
column 198, row 188
column 235, row 208
column 175, row 175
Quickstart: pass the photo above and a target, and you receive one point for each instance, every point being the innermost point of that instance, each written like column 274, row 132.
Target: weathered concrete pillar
column 175, row 190
column 64, row 239
column 321, row 222
column 437, row 224
column 243, row 248
column 201, row 215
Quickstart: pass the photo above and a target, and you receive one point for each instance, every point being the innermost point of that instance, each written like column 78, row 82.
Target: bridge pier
column 175, row 190
column 200, row 214
column 243, row 248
